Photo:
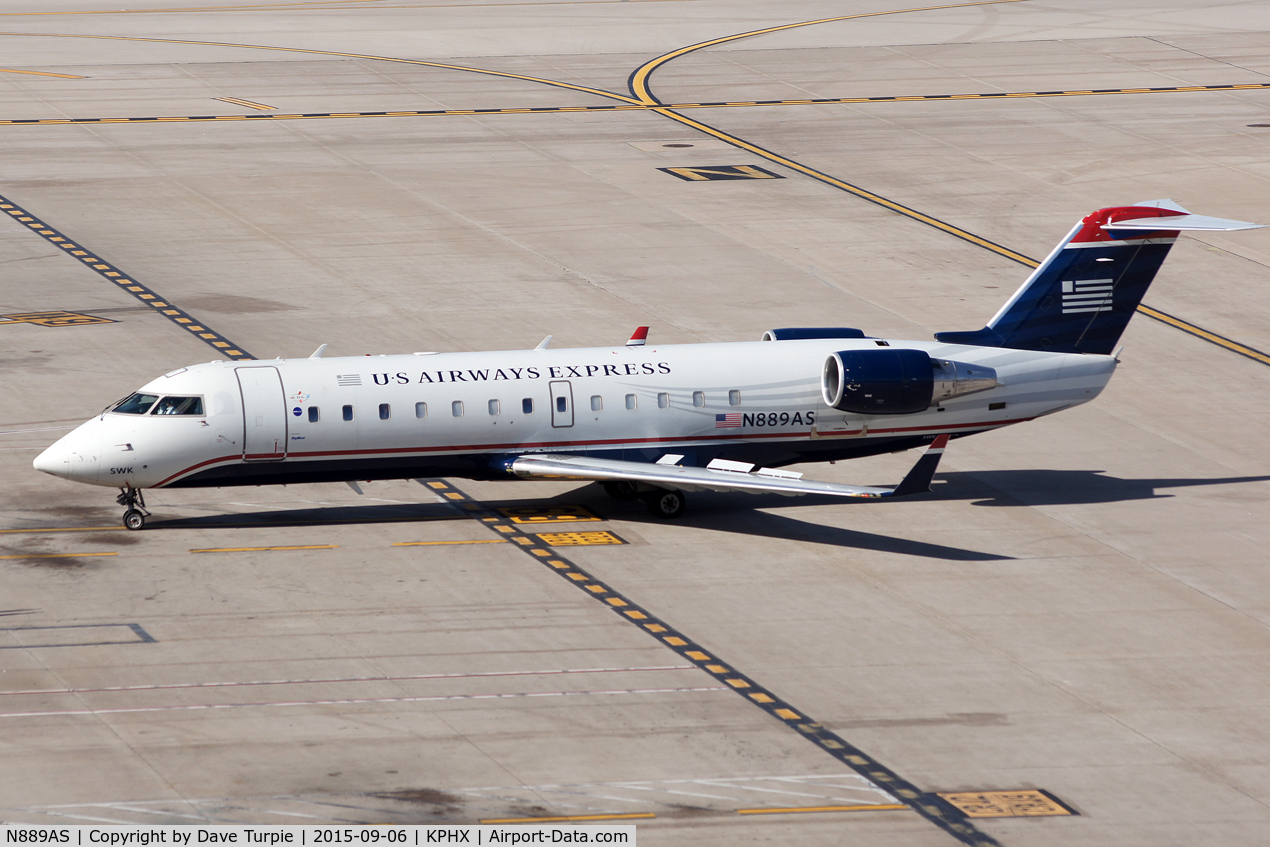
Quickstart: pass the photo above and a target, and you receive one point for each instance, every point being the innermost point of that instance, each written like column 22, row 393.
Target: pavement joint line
column 264, row 549
column 860, row 807
column 646, row 107
column 406, row 678
column 943, row 814
column 57, row 555
column 112, row 274
column 60, row 529
column 325, row 6
column 344, row 701
column 448, row 543
column 623, row 816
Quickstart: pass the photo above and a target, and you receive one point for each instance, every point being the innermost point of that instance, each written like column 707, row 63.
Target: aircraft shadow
column 1064, row 488
column 318, row 516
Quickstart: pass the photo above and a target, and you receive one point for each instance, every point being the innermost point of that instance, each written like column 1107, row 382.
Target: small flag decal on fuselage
column 731, row 419
column 1087, row 295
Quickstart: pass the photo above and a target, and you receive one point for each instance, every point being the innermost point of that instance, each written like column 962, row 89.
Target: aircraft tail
column 1080, row 298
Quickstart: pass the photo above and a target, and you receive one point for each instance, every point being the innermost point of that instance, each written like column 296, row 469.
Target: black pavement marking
column 628, row 107
column 715, row 173
column 112, row 274
column 928, row 805
column 142, row 637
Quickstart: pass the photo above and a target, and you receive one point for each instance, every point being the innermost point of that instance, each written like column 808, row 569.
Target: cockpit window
column 137, row 404
column 179, row 406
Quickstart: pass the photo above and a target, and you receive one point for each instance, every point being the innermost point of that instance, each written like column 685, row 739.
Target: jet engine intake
column 892, row 381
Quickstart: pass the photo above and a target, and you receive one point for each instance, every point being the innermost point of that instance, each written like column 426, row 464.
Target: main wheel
column 666, row 504
column 134, row 519
column 620, row 489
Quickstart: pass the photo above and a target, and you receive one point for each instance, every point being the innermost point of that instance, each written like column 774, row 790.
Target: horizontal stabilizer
column 1187, row 223
column 759, row 481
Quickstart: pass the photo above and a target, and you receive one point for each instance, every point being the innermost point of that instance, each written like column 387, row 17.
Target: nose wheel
column 135, row 516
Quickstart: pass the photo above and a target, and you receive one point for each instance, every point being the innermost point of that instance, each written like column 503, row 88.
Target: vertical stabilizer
column 1080, row 299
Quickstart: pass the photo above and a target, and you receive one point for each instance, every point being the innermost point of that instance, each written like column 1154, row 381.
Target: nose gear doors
column 264, row 414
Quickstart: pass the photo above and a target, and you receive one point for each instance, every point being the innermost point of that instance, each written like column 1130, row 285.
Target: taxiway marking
column 931, row 807
column 261, row 107
column 622, row 107
column 39, row 73
column 125, row 282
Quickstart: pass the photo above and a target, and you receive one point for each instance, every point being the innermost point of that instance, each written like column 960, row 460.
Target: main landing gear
column 664, row 503
column 135, row 516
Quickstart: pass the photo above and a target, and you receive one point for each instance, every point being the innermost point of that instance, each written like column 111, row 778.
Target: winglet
column 638, row 338
column 317, row 354
column 542, row 345
column 919, row 478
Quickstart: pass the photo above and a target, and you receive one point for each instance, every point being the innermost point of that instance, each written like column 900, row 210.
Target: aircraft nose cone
column 53, row 461
column 75, row 456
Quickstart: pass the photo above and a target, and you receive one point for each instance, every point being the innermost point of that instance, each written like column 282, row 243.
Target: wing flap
column 547, row 465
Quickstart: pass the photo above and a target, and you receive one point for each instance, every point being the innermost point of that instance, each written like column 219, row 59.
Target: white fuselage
column 461, row 414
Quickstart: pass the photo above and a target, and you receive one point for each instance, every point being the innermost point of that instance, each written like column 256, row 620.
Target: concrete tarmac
column 1081, row 606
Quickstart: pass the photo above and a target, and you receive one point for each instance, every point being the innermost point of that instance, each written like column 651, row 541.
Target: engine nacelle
column 890, row 381
column 797, row 333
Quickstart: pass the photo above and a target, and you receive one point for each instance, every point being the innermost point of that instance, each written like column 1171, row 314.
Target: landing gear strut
column 666, row 503
column 621, row 489
column 135, row 516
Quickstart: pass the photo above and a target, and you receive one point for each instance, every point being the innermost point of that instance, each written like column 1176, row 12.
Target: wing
column 736, row 476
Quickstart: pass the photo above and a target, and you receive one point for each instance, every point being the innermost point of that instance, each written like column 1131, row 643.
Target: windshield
column 179, row 406
column 137, row 404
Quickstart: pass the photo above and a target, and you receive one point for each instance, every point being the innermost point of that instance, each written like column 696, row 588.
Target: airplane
column 646, row 421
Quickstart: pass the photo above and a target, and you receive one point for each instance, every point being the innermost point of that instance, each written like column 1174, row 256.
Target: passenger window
column 597, row 403
column 385, row 411
column 421, row 410
column 698, row 398
column 527, row 406
column 137, row 404
column 314, row 414
column 179, row 406
column 663, row 400
column 734, row 398
column 630, row 401
column 562, row 404
column 493, row 407
column 348, row 413
column 456, row 408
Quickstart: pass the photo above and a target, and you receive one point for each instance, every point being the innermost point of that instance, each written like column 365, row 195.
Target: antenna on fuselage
column 317, row 354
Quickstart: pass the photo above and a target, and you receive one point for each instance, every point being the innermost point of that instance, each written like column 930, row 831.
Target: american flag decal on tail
column 731, row 419
column 1087, row 295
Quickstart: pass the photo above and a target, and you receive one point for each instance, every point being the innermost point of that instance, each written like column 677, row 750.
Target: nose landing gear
column 135, row 516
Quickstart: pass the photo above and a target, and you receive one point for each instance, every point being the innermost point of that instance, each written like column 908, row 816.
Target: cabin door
column 264, row 414
column 561, row 403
